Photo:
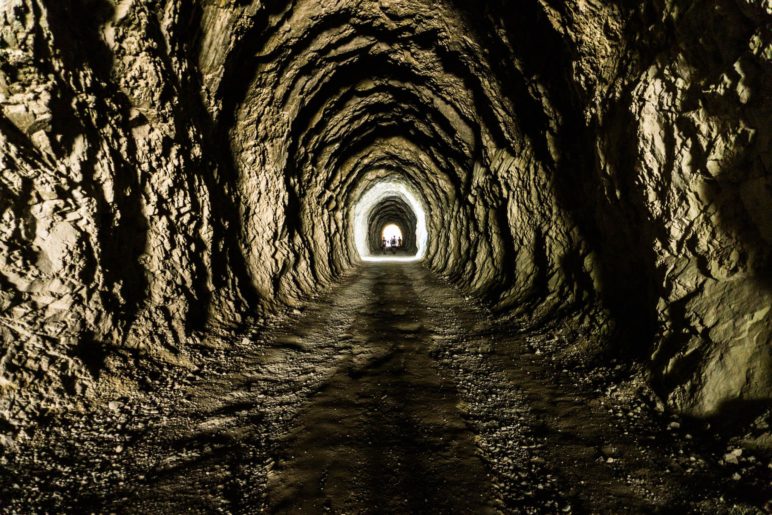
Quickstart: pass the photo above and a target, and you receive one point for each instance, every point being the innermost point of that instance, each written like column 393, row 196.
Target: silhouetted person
column 393, row 244
column 399, row 242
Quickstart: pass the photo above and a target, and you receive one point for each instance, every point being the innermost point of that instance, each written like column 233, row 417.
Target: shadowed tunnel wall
column 170, row 166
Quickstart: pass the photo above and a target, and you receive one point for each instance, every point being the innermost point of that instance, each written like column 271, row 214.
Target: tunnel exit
column 389, row 222
column 391, row 237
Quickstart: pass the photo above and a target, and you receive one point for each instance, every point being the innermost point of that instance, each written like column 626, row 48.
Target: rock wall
column 170, row 164
column 108, row 237
column 698, row 116
column 678, row 118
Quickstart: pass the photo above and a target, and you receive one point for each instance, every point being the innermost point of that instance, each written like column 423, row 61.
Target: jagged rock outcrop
column 170, row 164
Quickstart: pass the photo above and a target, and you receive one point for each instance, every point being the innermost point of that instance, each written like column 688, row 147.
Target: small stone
column 732, row 457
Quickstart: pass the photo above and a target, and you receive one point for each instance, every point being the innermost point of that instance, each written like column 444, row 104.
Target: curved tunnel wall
column 181, row 163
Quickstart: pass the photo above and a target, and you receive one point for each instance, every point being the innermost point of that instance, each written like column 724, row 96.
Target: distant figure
column 399, row 242
column 393, row 244
column 383, row 244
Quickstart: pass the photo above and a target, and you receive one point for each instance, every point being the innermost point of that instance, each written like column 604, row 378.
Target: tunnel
column 390, row 202
column 198, row 311
column 392, row 220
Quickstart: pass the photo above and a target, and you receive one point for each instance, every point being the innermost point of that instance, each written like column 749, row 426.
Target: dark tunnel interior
column 198, row 311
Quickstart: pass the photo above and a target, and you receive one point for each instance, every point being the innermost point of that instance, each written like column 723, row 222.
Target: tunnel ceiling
column 170, row 166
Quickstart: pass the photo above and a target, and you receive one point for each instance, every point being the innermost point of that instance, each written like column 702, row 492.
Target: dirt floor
column 392, row 394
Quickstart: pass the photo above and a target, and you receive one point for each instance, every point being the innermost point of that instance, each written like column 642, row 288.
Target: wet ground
column 392, row 394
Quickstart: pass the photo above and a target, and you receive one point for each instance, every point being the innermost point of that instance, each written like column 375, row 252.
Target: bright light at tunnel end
column 391, row 231
column 364, row 207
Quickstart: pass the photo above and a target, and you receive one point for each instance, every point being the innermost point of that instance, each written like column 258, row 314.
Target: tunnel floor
column 393, row 393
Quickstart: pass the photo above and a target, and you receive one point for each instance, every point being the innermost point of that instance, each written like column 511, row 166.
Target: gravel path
column 391, row 394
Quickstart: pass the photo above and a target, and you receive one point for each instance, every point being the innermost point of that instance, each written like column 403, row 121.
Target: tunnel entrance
column 391, row 236
column 392, row 228
column 390, row 209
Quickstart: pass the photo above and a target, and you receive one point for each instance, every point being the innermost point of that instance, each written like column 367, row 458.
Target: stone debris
column 219, row 442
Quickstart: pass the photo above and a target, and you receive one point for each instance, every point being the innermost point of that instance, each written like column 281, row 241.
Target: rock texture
column 170, row 165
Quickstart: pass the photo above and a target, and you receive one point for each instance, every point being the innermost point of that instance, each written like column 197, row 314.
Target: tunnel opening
column 390, row 233
column 392, row 228
column 391, row 236
column 390, row 209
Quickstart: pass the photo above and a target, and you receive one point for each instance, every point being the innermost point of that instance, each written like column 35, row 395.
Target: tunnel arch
column 389, row 201
column 393, row 210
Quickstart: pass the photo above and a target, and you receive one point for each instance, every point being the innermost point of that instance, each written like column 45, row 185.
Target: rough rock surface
column 169, row 166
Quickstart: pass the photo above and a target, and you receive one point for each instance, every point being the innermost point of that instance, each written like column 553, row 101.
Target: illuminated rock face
column 390, row 202
column 175, row 164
